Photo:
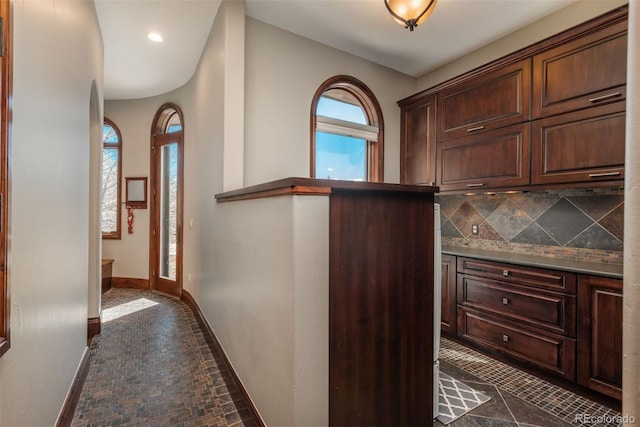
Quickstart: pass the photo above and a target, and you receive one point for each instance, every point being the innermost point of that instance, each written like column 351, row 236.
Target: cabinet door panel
column 551, row 311
column 496, row 99
column 583, row 73
column 498, row 158
column 547, row 351
column 418, row 149
column 584, row 146
column 600, row 335
column 448, row 319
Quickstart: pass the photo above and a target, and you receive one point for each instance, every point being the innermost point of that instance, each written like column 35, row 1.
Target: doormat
column 456, row 399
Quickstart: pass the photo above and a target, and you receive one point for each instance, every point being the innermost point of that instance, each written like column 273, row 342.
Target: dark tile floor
column 151, row 366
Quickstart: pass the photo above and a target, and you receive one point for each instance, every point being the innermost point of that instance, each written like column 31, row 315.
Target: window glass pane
column 174, row 124
column 340, row 110
column 110, row 190
column 109, row 134
column 340, row 157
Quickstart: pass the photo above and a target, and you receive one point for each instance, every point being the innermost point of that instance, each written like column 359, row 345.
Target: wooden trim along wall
column 94, row 327
column 68, row 409
column 127, row 282
column 216, row 349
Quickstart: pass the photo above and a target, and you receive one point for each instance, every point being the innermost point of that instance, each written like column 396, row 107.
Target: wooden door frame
column 157, row 132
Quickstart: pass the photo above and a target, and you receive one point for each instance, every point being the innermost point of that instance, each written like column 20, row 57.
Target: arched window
column 346, row 132
column 111, row 179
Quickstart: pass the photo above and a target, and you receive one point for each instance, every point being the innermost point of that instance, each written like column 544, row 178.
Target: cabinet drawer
column 547, row 310
column 495, row 99
column 494, row 159
column 547, row 351
column 583, row 73
column 531, row 276
column 584, row 146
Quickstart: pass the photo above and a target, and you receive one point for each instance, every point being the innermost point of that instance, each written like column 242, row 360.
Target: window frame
column 5, row 166
column 114, row 235
column 373, row 113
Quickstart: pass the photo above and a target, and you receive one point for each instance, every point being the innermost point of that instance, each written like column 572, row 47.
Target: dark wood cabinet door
column 495, row 159
column 600, row 334
column 493, row 100
column 582, row 73
column 583, row 146
column 448, row 312
column 418, row 145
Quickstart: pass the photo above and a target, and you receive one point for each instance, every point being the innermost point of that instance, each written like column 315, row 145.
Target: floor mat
column 456, row 399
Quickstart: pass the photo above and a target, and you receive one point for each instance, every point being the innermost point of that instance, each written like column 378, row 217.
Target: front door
column 166, row 202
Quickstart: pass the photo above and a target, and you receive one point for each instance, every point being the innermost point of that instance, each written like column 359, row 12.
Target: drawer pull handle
column 598, row 175
column 605, row 97
column 505, row 338
column 505, row 273
column 475, row 185
column 475, row 128
column 505, row 301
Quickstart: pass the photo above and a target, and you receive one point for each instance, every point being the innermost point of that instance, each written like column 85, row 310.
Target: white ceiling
column 136, row 67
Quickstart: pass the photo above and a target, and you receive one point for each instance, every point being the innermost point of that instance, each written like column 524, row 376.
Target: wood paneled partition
column 381, row 308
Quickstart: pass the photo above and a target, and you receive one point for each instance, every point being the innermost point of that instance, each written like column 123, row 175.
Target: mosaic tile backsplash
column 585, row 225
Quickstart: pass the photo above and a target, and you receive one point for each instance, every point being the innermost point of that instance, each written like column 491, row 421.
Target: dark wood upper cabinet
column 581, row 73
column 600, row 334
column 495, row 159
column 418, row 146
column 492, row 100
column 583, row 146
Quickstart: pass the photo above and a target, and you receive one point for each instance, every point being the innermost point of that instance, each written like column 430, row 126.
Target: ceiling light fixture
column 410, row 13
column 155, row 37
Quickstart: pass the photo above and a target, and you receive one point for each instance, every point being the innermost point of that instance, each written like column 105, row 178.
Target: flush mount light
column 410, row 13
column 155, row 37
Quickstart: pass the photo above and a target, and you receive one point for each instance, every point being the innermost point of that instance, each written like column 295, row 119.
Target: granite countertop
column 606, row 270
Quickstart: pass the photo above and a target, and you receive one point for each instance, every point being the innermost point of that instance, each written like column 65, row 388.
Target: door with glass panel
column 166, row 201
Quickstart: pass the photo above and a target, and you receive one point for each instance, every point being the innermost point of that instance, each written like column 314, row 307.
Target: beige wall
column 283, row 71
column 574, row 14
column 631, row 316
column 57, row 56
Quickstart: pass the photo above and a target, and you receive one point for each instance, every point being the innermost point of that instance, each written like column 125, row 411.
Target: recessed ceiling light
column 155, row 37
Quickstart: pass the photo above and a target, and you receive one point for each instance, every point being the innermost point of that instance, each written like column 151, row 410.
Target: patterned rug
column 456, row 399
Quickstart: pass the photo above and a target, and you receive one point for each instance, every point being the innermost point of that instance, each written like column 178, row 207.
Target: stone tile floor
column 151, row 366
column 517, row 398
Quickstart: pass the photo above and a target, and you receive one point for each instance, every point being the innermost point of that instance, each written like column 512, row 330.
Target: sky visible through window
column 337, row 156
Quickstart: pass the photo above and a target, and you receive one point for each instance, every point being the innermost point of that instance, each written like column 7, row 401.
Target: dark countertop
column 606, row 270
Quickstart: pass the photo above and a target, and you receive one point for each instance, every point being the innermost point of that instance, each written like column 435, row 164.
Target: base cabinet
column 600, row 335
column 448, row 312
column 561, row 323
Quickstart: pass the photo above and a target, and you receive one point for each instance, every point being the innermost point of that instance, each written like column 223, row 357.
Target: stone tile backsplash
column 584, row 225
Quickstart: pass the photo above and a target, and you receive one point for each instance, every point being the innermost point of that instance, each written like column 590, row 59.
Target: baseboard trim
column 73, row 395
column 127, row 282
column 94, row 327
column 215, row 347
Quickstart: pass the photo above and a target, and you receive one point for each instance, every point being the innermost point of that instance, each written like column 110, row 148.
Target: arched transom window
column 346, row 132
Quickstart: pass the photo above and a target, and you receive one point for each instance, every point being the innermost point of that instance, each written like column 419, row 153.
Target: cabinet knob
column 505, row 338
column 505, row 273
column 505, row 301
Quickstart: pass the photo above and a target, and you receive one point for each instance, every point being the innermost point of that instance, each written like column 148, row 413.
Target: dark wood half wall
column 380, row 308
column 94, row 327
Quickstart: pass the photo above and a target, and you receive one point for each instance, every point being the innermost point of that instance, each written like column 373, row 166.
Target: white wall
column 57, row 56
column 283, row 71
column 570, row 16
